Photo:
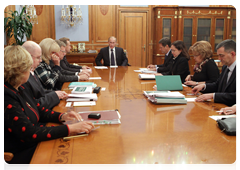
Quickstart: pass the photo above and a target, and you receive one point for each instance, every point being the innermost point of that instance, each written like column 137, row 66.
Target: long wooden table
column 148, row 133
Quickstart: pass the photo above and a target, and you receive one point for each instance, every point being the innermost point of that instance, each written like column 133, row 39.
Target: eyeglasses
column 38, row 58
column 63, row 51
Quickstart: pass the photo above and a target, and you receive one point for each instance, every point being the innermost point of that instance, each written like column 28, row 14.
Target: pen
column 76, row 136
column 222, row 111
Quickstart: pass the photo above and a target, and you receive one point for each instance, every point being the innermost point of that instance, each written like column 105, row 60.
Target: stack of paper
column 82, row 97
column 145, row 70
column 101, row 67
column 146, row 93
column 166, row 97
column 146, row 76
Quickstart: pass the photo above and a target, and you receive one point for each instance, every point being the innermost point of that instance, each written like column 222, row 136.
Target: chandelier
column 72, row 16
column 31, row 12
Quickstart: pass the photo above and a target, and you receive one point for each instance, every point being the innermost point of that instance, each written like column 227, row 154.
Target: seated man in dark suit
column 66, row 65
column 111, row 55
column 224, row 89
column 164, row 47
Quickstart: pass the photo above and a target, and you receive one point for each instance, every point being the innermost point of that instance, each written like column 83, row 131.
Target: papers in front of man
column 113, row 66
column 147, row 93
column 101, row 67
column 107, row 117
column 82, row 90
column 82, row 97
column 74, row 84
column 146, row 76
column 165, row 97
column 216, row 117
column 145, row 70
column 169, row 94
column 95, row 78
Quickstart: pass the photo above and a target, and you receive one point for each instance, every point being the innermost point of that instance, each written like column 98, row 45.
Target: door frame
column 148, row 27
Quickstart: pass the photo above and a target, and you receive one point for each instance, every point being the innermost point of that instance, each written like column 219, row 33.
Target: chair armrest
column 8, row 156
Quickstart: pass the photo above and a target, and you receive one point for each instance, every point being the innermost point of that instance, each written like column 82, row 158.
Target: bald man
column 48, row 99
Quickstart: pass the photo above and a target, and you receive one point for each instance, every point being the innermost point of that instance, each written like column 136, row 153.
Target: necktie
column 35, row 77
column 225, row 80
column 112, row 58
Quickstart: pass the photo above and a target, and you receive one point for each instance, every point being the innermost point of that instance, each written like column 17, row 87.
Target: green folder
column 169, row 82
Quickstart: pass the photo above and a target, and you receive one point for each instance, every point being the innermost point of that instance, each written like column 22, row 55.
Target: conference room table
column 148, row 133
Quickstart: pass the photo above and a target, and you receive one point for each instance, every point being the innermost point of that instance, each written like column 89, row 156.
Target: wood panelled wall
column 46, row 23
column 102, row 23
column 107, row 20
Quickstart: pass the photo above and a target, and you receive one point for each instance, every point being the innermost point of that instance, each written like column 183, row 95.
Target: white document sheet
column 216, row 117
column 101, row 67
column 84, row 103
column 94, row 78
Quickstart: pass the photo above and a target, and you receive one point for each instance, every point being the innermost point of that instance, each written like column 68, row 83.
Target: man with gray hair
column 48, row 99
column 224, row 89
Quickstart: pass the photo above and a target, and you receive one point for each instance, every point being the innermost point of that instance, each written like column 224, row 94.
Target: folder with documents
column 165, row 97
column 169, row 82
column 162, row 100
column 107, row 117
column 82, row 97
column 82, row 90
column 146, row 93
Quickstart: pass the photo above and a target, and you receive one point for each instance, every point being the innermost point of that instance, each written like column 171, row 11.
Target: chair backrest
column 8, row 156
column 125, row 51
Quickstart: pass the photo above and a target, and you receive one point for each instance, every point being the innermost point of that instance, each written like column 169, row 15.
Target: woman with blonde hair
column 205, row 70
column 49, row 71
column 24, row 118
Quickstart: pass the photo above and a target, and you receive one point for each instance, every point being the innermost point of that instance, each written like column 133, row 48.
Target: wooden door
column 133, row 36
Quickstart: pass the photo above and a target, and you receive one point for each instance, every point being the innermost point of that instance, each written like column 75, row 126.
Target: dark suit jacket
column 228, row 95
column 47, row 98
column 166, row 65
column 70, row 67
column 24, row 122
column 209, row 73
column 179, row 66
column 121, row 58
column 63, row 71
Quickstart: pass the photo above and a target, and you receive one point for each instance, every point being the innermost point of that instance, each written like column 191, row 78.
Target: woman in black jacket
column 205, row 69
column 24, row 118
column 180, row 59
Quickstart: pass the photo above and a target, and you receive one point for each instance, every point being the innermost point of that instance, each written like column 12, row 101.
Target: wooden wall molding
column 46, row 24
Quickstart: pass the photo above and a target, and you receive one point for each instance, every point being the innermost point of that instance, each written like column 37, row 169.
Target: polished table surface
column 148, row 133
